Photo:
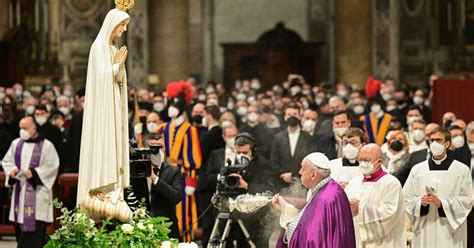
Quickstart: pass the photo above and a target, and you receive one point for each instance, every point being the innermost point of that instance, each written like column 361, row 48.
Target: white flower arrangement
column 127, row 228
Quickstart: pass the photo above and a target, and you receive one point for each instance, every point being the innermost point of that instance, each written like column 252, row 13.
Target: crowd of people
column 276, row 129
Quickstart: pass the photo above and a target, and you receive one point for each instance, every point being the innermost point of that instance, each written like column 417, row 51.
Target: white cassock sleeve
column 49, row 164
column 8, row 161
column 376, row 221
column 459, row 206
column 413, row 193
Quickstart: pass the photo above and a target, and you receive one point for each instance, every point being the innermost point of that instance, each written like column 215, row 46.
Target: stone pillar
column 54, row 7
column 4, row 17
column 208, row 40
column 137, row 44
column 195, row 38
column 168, row 39
column 353, row 35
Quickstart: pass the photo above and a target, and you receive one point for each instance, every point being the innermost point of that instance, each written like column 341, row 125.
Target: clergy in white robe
column 346, row 168
column 104, row 157
column 377, row 203
column 31, row 166
column 438, row 196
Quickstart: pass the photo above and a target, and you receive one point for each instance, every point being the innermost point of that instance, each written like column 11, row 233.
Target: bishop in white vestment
column 438, row 198
column 31, row 166
column 377, row 201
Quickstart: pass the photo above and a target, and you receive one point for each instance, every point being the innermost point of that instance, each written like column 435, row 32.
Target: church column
column 168, row 39
column 137, row 44
column 53, row 25
column 4, row 17
column 353, row 36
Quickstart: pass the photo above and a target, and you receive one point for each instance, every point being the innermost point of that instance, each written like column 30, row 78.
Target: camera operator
column 254, row 178
column 164, row 185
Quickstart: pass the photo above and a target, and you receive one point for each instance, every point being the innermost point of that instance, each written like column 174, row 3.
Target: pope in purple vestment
column 326, row 220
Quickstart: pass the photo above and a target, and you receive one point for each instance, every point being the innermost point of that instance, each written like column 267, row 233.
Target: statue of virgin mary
column 104, row 157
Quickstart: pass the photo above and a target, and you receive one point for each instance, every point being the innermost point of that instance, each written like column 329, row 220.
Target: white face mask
column 158, row 106
column 350, row 152
column 418, row 135
column 173, row 111
column 212, row 102
column 359, row 109
column 202, row 98
column 230, row 105
column 386, row 96
column 366, row 167
column 30, row 109
column 210, row 90
column 253, row 117
column 391, row 108
column 340, row 131
column 41, row 120
column 471, row 147
column 375, row 109
column 2, row 95
column 151, row 127
column 230, row 143
column 309, row 125
column 241, row 97
column 418, row 100
column 436, row 149
column 411, row 119
column 242, row 110
column 458, row 142
column 64, row 110
column 157, row 159
column 24, row 135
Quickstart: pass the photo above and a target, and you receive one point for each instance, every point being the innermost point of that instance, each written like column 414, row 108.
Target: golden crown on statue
column 124, row 5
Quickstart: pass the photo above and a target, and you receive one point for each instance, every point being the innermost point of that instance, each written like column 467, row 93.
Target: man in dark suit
column 165, row 184
column 259, row 131
column 289, row 148
column 331, row 143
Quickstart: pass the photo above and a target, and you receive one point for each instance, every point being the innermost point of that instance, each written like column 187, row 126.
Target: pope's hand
column 343, row 184
column 278, row 202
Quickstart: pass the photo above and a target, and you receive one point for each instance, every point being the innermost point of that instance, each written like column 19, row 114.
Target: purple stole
column 29, row 220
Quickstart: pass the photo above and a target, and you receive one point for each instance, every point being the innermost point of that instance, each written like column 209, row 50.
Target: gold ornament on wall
column 124, row 5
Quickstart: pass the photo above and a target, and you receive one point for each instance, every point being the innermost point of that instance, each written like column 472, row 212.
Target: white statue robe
column 453, row 187
column 342, row 173
column 104, row 158
column 380, row 221
column 47, row 171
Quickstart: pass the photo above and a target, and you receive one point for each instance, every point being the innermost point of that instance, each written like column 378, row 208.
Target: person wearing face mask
column 259, row 131
column 29, row 104
column 163, row 186
column 413, row 114
column 75, row 133
column 331, row 144
column 346, row 168
column 63, row 104
column 419, row 100
column 376, row 123
column 458, row 145
column 289, row 147
column 309, row 121
column 182, row 149
column 31, row 167
column 438, row 196
column 140, row 128
column 197, row 117
column 217, row 159
column 50, row 133
column 416, row 141
column 396, row 157
column 377, row 203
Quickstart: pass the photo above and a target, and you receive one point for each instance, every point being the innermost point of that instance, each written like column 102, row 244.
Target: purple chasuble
column 29, row 220
column 326, row 221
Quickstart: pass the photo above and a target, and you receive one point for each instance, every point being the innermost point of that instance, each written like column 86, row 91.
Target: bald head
column 460, row 123
column 430, row 127
column 336, row 103
column 373, row 150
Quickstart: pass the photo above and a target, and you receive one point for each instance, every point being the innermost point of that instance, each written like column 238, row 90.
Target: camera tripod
column 215, row 242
